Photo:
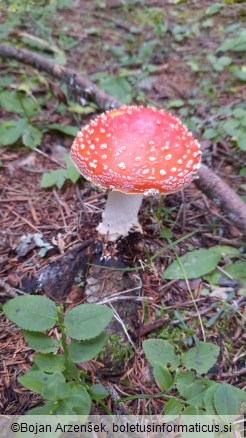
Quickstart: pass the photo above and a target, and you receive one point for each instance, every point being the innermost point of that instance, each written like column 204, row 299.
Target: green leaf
column 65, row 129
column 71, row 371
column 191, row 410
column 165, row 233
column 239, row 73
column 87, row 321
column 241, row 141
column 162, row 376
column 158, row 350
column 78, row 400
column 209, row 399
column 211, row 321
column 173, row 407
column 118, row 87
column 17, row 102
column 214, row 9
column 49, row 363
column 183, row 380
column 210, row 134
column 231, row 127
column 236, row 44
column 83, row 351
column 56, row 388
column 31, row 136
column 213, row 278
column 224, row 61
column 225, row 401
column 36, row 381
column 202, row 357
column 58, row 177
column 11, row 131
column 194, row 394
column 146, row 50
column 62, row 407
column 32, row 313
column 225, row 250
column 206, row 24
column 239, row 113
column 176, row 103
column 6, row 81
column 98, row 392
column 236, row 270
column 73, row 174
column 47, row 409
column 241, row 397
column 41, row 342
column 195, row 264
column 55, row 178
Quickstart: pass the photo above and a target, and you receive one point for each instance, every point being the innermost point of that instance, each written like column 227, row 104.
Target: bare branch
column 222, row 195
column 81, row 86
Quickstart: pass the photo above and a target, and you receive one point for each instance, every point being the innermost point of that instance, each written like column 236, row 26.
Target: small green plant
column 25, row 129
column 29, row 131
column 11, row 131
column 179, row 376
column 117, row 351
column 54, row 374
column 232, row 128
column 199, row 262
column 59, row 176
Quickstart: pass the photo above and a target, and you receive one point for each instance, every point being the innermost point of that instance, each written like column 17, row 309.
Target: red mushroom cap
column 137, row 150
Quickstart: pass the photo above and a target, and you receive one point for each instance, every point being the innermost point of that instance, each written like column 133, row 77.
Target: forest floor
column 161, row 53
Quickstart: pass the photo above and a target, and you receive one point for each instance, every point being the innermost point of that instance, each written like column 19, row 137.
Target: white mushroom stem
column 120, row 215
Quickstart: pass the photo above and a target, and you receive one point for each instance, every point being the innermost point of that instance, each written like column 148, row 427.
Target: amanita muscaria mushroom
column 134, row 151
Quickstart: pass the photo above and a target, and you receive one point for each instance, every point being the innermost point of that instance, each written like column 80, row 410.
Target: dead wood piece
column 56, row 279
column 119, row 290
column 109, row 283
column 209, row 183
column 222, row 195
column 6, row 290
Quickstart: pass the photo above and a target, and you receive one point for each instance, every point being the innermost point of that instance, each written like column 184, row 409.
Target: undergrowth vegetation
column 55, row 376
column 68, row 391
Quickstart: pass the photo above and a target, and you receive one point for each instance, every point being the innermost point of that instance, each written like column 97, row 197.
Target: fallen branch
column 82, row 88
column 223, row 196
column 209, row 183
column 146, row 329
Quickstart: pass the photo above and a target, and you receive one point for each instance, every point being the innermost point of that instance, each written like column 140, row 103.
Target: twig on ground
column 161, row 322
column 8, row 291
column 223, row 240
column 231, row 373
